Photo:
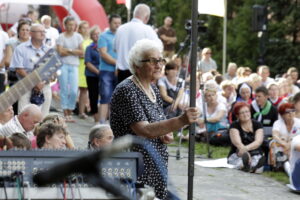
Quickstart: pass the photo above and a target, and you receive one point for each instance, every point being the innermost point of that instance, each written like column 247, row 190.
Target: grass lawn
column 221, row 152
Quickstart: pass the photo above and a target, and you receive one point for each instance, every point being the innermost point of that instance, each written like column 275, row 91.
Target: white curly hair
column 139, row 50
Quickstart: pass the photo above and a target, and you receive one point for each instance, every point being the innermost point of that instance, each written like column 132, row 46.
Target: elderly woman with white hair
column 100, row 135
column 136, row 109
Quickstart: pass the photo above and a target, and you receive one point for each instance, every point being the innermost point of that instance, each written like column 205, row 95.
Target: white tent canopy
column 11, row 10
column 65, row 3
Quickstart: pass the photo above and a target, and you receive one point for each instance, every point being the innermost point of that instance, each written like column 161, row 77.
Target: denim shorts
column 108, row 82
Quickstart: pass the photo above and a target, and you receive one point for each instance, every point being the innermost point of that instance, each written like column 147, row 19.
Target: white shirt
column 280, row 126
column 127, row 35
column 268, row 81
column 51, row 36
column 14, row 126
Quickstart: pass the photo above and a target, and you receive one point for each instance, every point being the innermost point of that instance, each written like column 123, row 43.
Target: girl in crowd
column 83, row 100
column 169, row 91
column 246, row 137
column 69, row 47
column 274, row 97
column 216, row 112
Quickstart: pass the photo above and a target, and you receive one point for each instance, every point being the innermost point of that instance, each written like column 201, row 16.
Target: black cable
column 5, row 192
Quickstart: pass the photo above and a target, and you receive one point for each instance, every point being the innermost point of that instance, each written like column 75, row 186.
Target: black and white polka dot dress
column 128, row 105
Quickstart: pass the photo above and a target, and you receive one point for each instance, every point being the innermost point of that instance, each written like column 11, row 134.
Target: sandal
column 69, row 119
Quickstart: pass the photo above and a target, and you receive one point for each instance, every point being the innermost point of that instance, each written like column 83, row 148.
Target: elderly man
column 128, row 34
column 51, row 33
column 24, row 122
column 100, row 135
column 24, row 59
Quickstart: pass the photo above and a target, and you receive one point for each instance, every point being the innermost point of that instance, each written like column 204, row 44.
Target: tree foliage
column 282, row 38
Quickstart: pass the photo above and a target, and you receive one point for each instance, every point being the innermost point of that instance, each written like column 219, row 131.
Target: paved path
column 209, row 183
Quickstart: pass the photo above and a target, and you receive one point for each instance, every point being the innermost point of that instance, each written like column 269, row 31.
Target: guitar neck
column 9, row 97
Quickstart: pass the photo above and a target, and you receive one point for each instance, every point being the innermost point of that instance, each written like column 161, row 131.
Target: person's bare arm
column 164, row 94
column 236, row 141
column 218, row 117
column 106, row 57
column 156, row 129
column 259, row 136
column 92, row 67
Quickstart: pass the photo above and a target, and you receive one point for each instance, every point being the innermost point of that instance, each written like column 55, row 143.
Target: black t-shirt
column 268, row 119
column 246, row 137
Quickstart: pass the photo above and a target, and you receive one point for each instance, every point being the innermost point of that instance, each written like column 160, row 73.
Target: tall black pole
column 193, row 65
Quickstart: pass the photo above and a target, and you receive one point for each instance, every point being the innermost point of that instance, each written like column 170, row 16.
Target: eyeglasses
column 154, row 61
column 289, row 111
column 244, row 112
column 39, row 32
column 207, row 53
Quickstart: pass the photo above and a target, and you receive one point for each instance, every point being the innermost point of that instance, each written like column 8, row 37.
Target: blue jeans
column 108, row 82
column 295, row 175
column 68, row 81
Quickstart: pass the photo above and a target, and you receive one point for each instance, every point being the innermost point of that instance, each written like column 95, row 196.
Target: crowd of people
column 129, row 76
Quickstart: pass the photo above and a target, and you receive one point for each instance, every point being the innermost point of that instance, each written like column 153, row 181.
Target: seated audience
column 264, row 72
column 284, row 89
column 24, row 122
column 16, row 141
column 293, row 89
column 6, row 115
column 56, row 119
column 255, row 81
column 171, row 89
column 246, row 136
column 231, row 71
column 284, row 129
column 274, row 97
column 51, row 136
column 215, row 112
column 228, row 92
column 262, row 109
column 293, row 72
column 100, row 136
column 244, row 94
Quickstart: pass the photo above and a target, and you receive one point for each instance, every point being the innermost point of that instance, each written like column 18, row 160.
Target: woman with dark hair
column 51, row 136
column 169, row 91
column 246, row 137
column 284, row 130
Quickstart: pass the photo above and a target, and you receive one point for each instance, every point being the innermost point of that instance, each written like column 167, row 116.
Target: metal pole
column 224, row 38
column 194, row 41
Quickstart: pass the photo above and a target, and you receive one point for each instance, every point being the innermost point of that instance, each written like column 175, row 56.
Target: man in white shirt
column 51, row 33
column 128, row 34
column 24, row 122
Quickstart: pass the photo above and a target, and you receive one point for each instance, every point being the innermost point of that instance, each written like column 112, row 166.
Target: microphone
column 85, row 164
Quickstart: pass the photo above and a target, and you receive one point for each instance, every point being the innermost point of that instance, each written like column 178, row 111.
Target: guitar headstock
column 48, row 65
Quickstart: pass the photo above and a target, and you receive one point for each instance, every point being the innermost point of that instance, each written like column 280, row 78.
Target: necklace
column 150, row 95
